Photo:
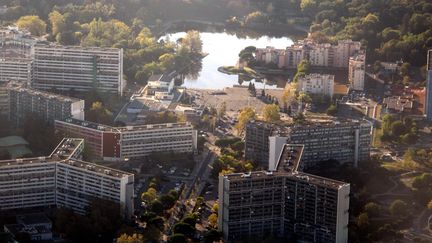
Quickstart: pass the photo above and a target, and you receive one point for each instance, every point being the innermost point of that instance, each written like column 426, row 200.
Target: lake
column 223, row 50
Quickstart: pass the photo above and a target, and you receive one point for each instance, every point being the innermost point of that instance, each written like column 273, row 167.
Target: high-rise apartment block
column 78, row 68
column 283, row 202
column 15, row 60
column 318, row 55
column 356, row 72
column 63, row 180
column 345, row 141
column 15, row 70
column 318, row 84
column 24, row 102
column 50, row 66
column 428, row 109
column 120, row 143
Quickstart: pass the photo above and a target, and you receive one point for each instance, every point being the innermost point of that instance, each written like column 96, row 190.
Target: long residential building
column 62, row 179
column 77, row 68
column 120, row 143
column 24, row 102
column 345, row 141
column 283, row 202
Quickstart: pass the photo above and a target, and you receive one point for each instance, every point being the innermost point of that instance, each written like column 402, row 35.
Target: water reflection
column 223, row 50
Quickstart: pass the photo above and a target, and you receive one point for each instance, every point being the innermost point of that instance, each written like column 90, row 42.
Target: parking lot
column 235, row 98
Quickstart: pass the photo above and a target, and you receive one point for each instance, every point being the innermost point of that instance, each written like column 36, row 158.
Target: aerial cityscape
column 233, row 121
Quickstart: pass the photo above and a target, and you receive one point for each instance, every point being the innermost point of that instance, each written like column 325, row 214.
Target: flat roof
column 102, row 127
column 50, row 45
column 33, row 218
column 63, row 153
column 289, row 165
column 66, row 148
column 96, row 168
column 19, row 87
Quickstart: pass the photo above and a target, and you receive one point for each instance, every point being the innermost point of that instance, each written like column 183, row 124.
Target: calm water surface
column 223, row 50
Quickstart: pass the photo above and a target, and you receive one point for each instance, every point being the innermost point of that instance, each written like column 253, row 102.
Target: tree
column 256, row 17
column 157, row 222
column 299, row 118
column 177, row 238
column 212, row 236
column 398, row 208
column 149, row 195
column 372, row 209
column 363, row 220
column 99, row 114
column 246, row 114
column 125, row 238
column 397, row 128
column 57, row 21
column 192, row 41
column 168, row 201
column 32, row 23
column 191, row 219
column 404, row 69
column 222, row 109
column 271, row 113
column 184, row 229
column 304, row 97
column 157, row 207
column 429, row 205
column 213, row 220
column 332, row 110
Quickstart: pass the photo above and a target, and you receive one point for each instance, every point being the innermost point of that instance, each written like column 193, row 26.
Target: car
column 208, row 192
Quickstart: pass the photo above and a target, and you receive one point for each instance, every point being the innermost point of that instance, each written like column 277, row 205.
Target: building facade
column 77, row 68
column 356, row 72
column 318, row 84
column 24, row 102
column 120, row 143
column 345, row 141
column 428, row 109
column 15, row 70
column 319, row 55
column 63, row 180
column 283, row 202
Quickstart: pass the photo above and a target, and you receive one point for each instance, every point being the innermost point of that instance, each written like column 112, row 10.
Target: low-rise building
column 37, row 225
column 283, row 202
column 120, row 143
column 62, row 179
column 317, row 84
column 399, row 104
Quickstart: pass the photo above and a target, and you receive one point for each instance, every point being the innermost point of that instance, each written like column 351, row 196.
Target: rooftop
column 96, row 168
column 19, row 87
column 34, row 218
column 51, row 45
column 12, row 141
column 289, row 165
column 64, row 153
column 102, row 127
column 399, row 103
column 66, row 149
